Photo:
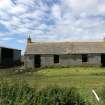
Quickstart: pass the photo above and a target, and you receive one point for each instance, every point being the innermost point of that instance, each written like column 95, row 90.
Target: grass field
column 84, row 78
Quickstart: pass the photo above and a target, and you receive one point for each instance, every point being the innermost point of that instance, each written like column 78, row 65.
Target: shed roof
column 65, row 47
column 9, row 48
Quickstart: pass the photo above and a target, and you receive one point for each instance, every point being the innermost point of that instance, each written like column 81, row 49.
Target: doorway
column 103, row 60
column 37, row 61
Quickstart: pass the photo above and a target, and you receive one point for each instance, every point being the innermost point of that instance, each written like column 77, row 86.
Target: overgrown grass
column 83, row 78
column 102, row 95
column 20, row 93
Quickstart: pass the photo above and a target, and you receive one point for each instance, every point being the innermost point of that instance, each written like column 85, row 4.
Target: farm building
column 9, row 57
column 53, row 54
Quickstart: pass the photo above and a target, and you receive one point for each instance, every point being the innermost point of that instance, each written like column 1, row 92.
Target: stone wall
column 29, row 61
column 64, row 60
column 94, row 59
column 47, row 60
column 70, row 60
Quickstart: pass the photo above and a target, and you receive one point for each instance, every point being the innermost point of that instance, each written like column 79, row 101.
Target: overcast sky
column 51, row 20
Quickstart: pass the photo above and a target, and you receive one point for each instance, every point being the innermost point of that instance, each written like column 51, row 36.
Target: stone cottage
column 53, row 54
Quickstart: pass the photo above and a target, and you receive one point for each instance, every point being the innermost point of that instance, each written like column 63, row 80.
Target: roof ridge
column 69, row 42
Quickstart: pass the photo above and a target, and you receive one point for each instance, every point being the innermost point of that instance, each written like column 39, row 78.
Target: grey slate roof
column 65, row 47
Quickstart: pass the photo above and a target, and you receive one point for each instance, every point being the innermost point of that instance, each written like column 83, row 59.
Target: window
column 84, row 58
column 56, row 58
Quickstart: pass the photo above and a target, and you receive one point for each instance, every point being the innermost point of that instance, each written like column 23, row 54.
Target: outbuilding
column 9, row 57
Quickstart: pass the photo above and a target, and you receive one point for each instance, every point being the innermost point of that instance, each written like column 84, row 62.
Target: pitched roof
column 65, row 47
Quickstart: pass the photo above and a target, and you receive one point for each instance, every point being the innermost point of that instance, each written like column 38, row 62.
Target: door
column 103, row 60
column 37, row 61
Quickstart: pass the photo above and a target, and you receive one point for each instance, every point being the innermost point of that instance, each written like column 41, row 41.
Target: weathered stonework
column 94, row 59
column 64, row 60
column 70, row 54
column 46, row 60
column 70, row 60
column 29, row 61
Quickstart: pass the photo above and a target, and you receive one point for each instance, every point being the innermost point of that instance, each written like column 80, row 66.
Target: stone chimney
column 29, row 40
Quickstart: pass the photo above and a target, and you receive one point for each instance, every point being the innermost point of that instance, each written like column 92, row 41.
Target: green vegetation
column 20, row 93
column 102, row 95
column 83, row 78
